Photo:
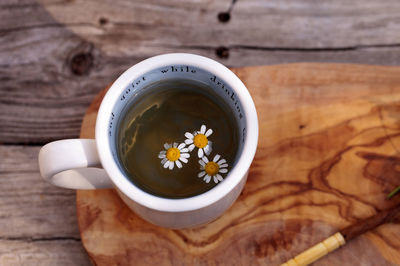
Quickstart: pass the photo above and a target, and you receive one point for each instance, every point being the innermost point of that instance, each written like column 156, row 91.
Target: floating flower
column 200, row 140
column 174, row 154
column 212, row 168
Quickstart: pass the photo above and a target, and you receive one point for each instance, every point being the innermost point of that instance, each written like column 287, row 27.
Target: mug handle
column 73, row 163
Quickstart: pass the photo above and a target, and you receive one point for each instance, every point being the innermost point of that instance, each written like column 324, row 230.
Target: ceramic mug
column 93, row 164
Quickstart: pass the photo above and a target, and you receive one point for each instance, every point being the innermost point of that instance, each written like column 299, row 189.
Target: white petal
column 222, row 161
column 202, row 163
column 167, row 146
column 223, row 165
column 181, row 146
column 219, row 177
column 188, row 141
column 161, row 156
column 205, row 159
column 163, row 161
column 207, row 150
column 200, row 153
column 191, row 147
column 189, row 135
column 201, row 174
column 175, row 145
column 166, row 164
column 223, row 171
column 185, row 155
column 209, row 132
column 215, row 179
column 210, row 143
column 171, row 165
column 216, row 158
column 183, row 160
column 207, row 178
column 163, row 152
column 203, row 129
column 185, row 150
column 178, row 163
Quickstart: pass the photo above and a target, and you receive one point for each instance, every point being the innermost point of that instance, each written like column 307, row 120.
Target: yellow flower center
column 200, row 141
column 211, row 168
column 173, row 154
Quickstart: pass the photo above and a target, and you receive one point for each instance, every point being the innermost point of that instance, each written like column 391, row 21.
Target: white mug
column 92, row 164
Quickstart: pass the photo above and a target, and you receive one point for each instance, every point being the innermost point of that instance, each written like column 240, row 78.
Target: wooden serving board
column 328, row 154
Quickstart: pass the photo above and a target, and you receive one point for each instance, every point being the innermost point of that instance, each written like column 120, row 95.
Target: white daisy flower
column 200, row 140
column 212, row 169
column 174, row 154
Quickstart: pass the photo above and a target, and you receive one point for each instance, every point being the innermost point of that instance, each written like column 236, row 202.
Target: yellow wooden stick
column 319, row 250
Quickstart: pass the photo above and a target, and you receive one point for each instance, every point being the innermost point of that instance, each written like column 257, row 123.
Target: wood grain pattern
column 327, row 157
column 37, row 220
column 33, row 253
column 26, row 200
column 55, row 56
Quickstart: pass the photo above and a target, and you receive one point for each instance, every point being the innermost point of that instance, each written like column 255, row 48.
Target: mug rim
column 236, row 174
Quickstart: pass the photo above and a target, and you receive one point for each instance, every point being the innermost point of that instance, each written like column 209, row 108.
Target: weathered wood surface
column 42, row 252
column 56, row 55
column 38, row 223
column 328, row 154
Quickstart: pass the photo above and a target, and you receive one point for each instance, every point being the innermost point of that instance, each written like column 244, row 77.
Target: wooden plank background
column 55, row 56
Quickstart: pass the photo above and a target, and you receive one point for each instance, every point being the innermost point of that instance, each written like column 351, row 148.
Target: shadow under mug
column 93, row 164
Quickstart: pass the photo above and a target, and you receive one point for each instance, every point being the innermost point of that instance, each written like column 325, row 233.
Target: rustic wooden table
column 55, row 56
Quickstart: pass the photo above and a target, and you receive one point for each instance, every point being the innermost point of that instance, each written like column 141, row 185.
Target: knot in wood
column 81, row 63
column 224, row 17
column 103, row 21
column 222, row 52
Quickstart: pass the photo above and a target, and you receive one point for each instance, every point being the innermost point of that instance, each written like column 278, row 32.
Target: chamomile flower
column 199, row 139
column 174, row 154
column 212, row 169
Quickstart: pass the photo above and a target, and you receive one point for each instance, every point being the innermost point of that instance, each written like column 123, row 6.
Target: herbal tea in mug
column 177, row 139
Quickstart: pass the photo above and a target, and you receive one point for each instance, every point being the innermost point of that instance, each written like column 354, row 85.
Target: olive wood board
column 327, row 156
